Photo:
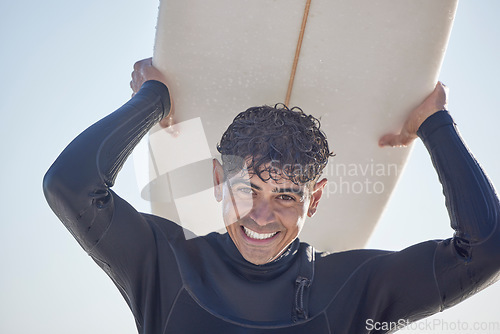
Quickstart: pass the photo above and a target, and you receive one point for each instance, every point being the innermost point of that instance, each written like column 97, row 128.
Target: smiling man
column 264, row 218
column 258, row 277
column 272, row 159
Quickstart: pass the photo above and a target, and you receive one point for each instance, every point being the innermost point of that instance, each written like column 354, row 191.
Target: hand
column 437, row 100
column 144, row 71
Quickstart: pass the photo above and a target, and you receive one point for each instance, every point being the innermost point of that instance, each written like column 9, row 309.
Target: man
column 258, row 277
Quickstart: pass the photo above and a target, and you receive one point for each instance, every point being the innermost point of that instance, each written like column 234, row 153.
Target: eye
column 286, row 197
column 244, row 190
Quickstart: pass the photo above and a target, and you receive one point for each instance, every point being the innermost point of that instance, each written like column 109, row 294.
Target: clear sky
column 66, row 64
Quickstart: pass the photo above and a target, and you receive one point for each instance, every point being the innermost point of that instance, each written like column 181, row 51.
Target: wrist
column 432, row 123
column 159, row 88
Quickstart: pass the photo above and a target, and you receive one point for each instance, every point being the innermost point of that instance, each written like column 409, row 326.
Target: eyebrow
column 296, row 191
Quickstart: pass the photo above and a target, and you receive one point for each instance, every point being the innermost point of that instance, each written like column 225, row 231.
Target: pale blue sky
column 66, row 64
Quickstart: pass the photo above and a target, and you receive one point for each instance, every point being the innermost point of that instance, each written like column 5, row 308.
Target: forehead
column 268, row 168
column 265, row 179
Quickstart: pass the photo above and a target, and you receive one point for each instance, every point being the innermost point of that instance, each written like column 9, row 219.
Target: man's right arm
column 122, row 241
column 77, row 186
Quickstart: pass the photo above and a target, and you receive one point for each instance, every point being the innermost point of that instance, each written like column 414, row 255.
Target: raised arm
column 441, row 273
column 471, row 200
column 122, row 241
column 144, row 71
column 470, row 260
column 77, row 185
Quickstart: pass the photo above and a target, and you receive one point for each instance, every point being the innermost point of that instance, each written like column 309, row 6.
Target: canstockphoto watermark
column 371, row 325
column 435, row 325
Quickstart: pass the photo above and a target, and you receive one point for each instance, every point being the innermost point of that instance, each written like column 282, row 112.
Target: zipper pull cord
column 301, row 283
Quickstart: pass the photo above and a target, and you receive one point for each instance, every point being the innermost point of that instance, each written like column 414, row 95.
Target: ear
column 317, row 192
column 218, row 177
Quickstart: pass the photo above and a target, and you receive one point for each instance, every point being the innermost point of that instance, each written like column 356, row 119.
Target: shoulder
column 348, row 261
column 169, row 229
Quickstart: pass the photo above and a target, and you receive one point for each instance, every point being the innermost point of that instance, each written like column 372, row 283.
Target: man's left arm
column 470, row 260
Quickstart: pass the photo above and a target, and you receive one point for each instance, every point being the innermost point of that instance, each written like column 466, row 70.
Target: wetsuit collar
column 252, row 271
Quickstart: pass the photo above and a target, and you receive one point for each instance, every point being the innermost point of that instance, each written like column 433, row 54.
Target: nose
column 262, row 212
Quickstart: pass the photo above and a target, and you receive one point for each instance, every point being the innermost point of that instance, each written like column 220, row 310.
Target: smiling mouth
column 258, row 236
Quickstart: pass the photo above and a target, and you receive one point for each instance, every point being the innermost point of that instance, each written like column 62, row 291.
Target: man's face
column 264, row 217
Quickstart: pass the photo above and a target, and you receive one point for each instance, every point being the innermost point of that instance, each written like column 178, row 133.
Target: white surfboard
column 363, row 65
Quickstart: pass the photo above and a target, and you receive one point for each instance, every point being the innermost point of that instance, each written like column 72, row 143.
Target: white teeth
column 259, row 236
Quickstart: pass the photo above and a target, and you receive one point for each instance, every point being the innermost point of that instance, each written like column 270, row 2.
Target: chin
column 258, row 260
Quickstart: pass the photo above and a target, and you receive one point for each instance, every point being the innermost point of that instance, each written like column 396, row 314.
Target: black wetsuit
column 203, row 285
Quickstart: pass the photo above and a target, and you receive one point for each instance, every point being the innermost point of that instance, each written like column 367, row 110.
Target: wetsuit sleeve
column 470, row 260
column 126, row 244
column 77, row 185
column 428, row 277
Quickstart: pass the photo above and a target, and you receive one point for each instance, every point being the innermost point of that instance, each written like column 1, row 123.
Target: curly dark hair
column 274, row 143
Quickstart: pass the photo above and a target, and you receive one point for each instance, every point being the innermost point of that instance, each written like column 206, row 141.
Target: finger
column 395, row 140
column 442, row 87
column 440, row 83
column 445, row 88
column 441, row 95
column 142, row 63
column 169, row 125
column 385, row 140
column 167, row 122
column 390, row 140
column 135, row 76
column 133, row 86
column 136, row 82
column 138, row 64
